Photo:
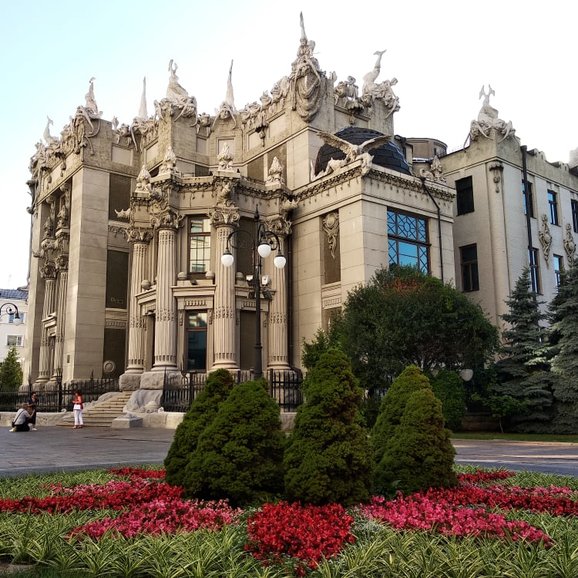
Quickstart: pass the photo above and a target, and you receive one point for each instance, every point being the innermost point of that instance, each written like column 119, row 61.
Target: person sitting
column 22, row 419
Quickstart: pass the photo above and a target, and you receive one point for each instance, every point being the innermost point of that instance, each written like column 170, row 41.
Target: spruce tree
column 10, row 371
column 412, row 449
column 420, row 454
column 239, row 455
column 328, row 457
column 523, row 370
column 201, row 413
column 564, row 350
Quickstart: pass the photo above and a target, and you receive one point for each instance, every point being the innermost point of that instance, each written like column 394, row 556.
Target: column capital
column 139, row 235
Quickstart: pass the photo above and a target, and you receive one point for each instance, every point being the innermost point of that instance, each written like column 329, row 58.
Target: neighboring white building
column 12, row 329
column 494, row 236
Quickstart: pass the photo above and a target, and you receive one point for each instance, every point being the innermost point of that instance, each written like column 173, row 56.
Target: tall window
column 116, row 279
column 469, row 263
column 553, row 206
column 529, row 201
column 558, row 261
column 407, row 240
column 535, row 271
column 464, row 196
column 199, row 245
column 197, row 341
column 574, row 205
column 119, row 194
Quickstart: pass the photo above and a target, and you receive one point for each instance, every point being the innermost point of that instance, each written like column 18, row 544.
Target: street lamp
column 261, row 242
column 11, row 309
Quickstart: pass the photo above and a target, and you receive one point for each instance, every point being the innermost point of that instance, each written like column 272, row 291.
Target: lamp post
column 261, row 242
column 11, row 309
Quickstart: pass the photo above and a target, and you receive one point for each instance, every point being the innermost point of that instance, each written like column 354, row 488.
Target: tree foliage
column 523, row 370
column 11, row 371
column 448, row 387
column 564, row 351
column 328, row 457
column 412, row 449
column 201, row 413
column 239, row 455
column 403, row 317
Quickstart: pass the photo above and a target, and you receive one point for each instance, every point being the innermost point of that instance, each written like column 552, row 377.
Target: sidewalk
column 57, row 448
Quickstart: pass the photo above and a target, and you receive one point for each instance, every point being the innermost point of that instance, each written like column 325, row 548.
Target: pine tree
column 564, row 351
column 10, row 371
column 524, row 370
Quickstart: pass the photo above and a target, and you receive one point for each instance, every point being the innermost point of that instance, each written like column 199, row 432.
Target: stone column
column 60, row 318
column 278, row 329
column 48, row 307
column 166, row 311
column 224, row 326
column 136, row 332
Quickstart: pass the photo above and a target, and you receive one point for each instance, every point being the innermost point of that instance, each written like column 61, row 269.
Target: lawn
column 129, row 522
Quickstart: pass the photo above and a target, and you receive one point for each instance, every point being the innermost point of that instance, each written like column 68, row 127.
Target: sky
column 440, row 52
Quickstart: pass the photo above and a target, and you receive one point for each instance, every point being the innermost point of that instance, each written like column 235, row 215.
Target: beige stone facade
column 130, row 223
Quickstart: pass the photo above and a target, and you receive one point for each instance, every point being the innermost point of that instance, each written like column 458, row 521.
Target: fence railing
column 60, row 397
column 179, row 391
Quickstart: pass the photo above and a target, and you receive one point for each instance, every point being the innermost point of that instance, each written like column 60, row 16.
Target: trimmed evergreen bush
column 328, row 457
column 448, row 387
column 239, row 455
column 419, row 455
column 393, row 405
column 202, row 411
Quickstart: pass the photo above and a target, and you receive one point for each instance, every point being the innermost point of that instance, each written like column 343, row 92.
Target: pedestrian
column 21, row 419
column 77, row 407
column 33, row 403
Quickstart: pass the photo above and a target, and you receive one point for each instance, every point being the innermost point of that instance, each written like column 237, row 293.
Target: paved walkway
column 58, row 448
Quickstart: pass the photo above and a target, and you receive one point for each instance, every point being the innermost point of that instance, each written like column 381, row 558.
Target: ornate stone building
column 499, row 229
column 130, row 223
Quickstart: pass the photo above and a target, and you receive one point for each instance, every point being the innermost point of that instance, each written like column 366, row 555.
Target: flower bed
column 137, row 502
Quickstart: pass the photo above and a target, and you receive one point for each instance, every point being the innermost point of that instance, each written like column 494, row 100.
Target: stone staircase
column 100, row 413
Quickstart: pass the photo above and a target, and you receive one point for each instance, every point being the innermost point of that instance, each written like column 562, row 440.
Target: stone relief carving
column 488, row 119
column 569, row 244
column 352, row 152
column 275, row 175
column 331, row 230
column 224, row 189
column 143, row 182
column 545, row 238
column 177, row 99
column 62, row 219
column 225, row 158
column 497, row 169
column 379, row 91
column 435, row 172
column 227, row 108
column 169, row 163
column 225, row 215
column 305, row 78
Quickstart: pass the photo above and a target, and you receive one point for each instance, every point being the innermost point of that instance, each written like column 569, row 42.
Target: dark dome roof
column 387, row 155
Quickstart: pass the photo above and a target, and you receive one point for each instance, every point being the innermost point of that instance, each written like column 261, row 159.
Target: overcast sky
column 441, row 53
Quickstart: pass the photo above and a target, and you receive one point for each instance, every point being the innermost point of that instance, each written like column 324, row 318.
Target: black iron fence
column 59, row 397
column 180, row 390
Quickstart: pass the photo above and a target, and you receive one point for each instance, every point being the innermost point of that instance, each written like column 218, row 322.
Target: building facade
column 130, row 223
column 513, row 209
column 12, row 327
